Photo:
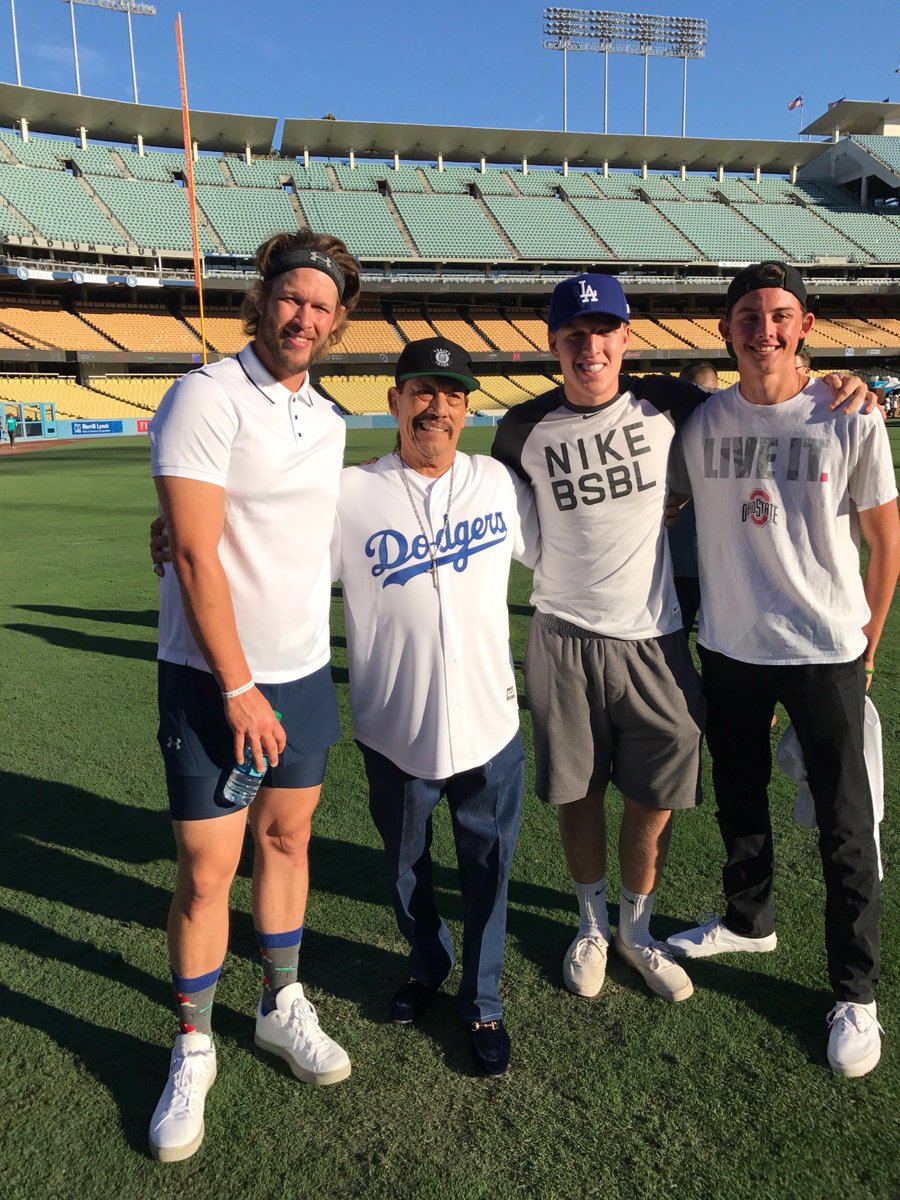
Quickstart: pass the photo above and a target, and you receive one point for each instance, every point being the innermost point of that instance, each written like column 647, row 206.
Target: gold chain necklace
column 431, row 547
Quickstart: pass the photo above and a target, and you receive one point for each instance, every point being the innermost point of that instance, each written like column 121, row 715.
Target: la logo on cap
column 588, row 293
column 441, row 357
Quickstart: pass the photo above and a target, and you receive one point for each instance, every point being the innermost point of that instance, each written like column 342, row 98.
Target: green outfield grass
column 727, row 1095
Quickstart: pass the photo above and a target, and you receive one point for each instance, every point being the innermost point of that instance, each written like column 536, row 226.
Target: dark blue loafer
column 411, row 1000
column 490, row 1047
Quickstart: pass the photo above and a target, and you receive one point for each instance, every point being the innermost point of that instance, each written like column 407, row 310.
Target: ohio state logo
column 759, row 509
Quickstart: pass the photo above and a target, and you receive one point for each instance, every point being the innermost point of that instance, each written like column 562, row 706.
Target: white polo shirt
column 278, row 456
column 432, row 685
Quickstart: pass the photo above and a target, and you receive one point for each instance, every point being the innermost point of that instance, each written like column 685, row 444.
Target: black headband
column 318, row 260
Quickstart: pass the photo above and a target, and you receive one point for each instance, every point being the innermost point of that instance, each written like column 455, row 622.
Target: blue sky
column 473, row 62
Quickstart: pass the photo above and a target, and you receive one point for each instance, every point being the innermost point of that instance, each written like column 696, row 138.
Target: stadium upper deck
column 414, row 200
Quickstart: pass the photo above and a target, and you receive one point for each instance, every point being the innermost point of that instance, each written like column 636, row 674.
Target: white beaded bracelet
column 238, row 691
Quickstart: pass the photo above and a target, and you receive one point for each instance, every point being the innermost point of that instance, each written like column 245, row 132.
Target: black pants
column 826, row 705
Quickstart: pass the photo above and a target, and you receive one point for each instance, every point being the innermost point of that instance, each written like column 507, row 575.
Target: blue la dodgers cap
column 584, row 294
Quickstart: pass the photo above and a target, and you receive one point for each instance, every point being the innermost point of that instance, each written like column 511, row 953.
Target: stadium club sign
column 39, row 243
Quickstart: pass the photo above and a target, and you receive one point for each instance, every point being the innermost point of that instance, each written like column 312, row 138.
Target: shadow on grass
column 111, row 616
column 115, row 1059
column 74, row 639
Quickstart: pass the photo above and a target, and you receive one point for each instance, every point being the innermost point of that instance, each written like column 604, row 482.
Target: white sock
column 594, row 918
column 634, row 917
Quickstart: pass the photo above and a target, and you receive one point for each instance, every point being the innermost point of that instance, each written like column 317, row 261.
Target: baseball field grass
column 725, row 1095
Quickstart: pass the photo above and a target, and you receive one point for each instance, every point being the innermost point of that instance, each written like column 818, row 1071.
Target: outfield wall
column 129, row 426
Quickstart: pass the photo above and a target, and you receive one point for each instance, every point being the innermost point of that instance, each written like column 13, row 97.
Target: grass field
column 726, row 1095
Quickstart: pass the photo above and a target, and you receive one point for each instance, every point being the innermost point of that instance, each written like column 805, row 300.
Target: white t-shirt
column 278, row 456
column 431, row 679
column 774, row 488
column 599, row 481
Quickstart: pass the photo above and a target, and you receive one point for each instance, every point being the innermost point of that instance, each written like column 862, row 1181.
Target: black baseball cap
column 770, row 274
column 437, row 357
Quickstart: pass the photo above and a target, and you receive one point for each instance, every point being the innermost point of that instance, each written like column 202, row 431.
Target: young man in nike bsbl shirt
column 610, row 682
column 778, row 489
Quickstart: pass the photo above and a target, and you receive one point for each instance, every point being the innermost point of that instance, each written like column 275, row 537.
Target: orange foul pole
column 192, row 195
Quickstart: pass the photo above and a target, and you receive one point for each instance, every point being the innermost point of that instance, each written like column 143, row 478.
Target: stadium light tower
column 624, row 33
column 126, row 6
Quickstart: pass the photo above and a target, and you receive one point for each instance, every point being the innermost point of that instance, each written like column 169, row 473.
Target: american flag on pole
column 798, row 103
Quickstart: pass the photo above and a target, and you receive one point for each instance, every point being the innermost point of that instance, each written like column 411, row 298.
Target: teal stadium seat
column 272, row 172
column 244, row 223
column 885, row 149
column 365, row 177
column 621, row 185
column 635, row 232
column 39, row 151
column 721, row 234
column 156, row 214
column 705, row 187
column 545, row 228
column 362, row 219
column 56, row 205
column 450, row 227
column 802, row 235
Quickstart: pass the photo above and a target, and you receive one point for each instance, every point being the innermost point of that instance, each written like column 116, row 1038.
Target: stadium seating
column 49, row 153
column 706, row 187
column 533, row 328
column 142, row 393
column 412, row 326
column 635, row 232
column 885, row 149
column 155, row 214
column 243, row 226
column 542, row 228
column 272, row 172
column 369, row 333
column 70, row 398
column 55, row 203
column 365, row 176
column 878, row 237
column 621, row 185
column 363, row 220
column 501, row 333
column 459, row 331
column 450, row 227
column 803, row 236
column 224, row 331
column 357, row 394
column 720, row 233
column 658, row 187
column 46, row 326
column 142, row 329
column 654, row 335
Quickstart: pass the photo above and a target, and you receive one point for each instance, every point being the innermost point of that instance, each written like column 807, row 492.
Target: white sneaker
column 661, row 973
column 716, row 938
column 291, row 1030
column 584, row 966
column 854, row 1044
column 176, row 1127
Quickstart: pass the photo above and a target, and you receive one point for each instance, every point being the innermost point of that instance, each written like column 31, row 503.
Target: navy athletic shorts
column 197, row 743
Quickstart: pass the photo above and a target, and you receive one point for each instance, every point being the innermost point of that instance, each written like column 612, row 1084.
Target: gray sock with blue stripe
column 280, row 959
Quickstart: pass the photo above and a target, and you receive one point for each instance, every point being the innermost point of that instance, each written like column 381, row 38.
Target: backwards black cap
column 437, row 357
column 769, row 274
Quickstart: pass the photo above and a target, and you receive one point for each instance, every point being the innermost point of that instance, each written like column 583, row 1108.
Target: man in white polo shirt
column 423, row 545
column 247, row 459
column 778, row 487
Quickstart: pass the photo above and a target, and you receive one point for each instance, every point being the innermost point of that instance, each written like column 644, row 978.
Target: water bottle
column 244, row 781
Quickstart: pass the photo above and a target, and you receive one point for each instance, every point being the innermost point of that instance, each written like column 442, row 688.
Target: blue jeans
column 485, row 807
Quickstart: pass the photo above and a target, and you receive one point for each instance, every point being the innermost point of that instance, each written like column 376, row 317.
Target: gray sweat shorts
column 607, row 709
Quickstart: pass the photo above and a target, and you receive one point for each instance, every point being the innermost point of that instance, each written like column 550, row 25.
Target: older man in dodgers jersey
column 423, row 544
column 610, row 682
column 785, row 616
